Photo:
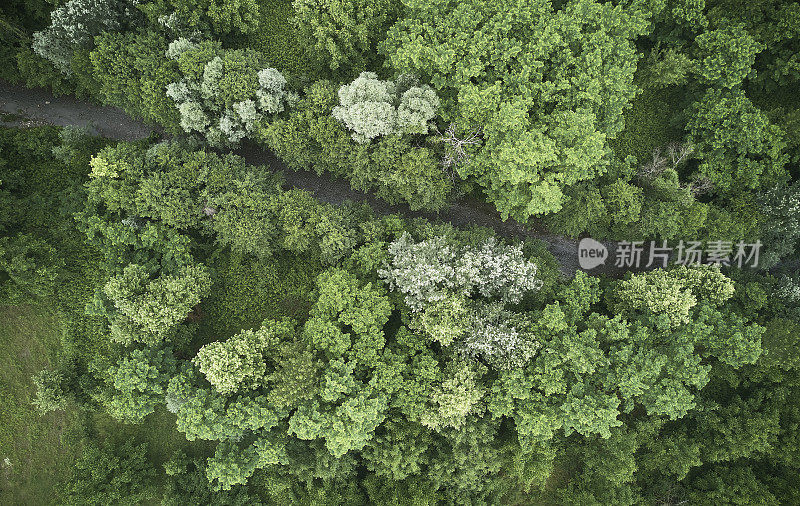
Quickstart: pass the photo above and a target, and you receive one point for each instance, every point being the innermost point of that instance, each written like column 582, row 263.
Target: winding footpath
column 26, row 107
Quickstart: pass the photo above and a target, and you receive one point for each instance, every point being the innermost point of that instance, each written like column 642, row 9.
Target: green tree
column 146, row 309
column 505, row 66
column 296, row 376
column 396, row 169
column 780, row 341
column 457, row 397
column 136, row 384
column 233, row 464
column 240, row 362
column 737, row 145
column 780, row 224
column 726, row 55
column 245, row 221
column 131, row 73
column 297, row 215
column 218, row 17
column 74, row 25
column 348, row 317
column 343, row 33
column 731, row 484
column 427, row 271
column 29, row 267
column 347, row 426
column 673, row 293
column 50, row 395
column 112, row 474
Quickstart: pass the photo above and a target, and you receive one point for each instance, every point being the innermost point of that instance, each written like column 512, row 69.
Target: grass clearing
column 39, row 459
column 42, row 450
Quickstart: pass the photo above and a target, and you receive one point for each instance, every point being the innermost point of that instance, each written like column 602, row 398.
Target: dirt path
column 24, row 107
column 38, row 106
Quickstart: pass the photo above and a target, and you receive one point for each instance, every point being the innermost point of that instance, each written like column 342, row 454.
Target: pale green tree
column 240, row 362
column 73, row 26
column 371, row 108
column 458, row 396
column 146, row 309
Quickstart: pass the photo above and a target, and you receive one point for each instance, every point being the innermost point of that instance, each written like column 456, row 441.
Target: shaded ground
column 23, row 107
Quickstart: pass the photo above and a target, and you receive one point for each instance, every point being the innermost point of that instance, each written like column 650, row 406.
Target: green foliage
column 731, row 484
column 35, row 71
column 29, row 267
column 538, row 139
column 397, row 170
column 296, row 216
column 50, row 395
column 245, row 219
column 203, row 413
column 673, row 293
column 183, row 189
column 500, row 338
column 109, row 474
column 649, row 122
column 146, row 309
column 780, row 343
column 296, row 376
column 343, row 34
column 233, row 465
column 218, row 17
column 670, row 67
column 780, row 223
column 346, row 427
column 726, row 55
column 130, row 72
column 399, row 452
column 457, row 397
column 247, row 291
column 737, row 145
column 137, row 383
column 74, row 25
column 480, row 377
column 279, row 41
column 343, row 303
column 239, row 363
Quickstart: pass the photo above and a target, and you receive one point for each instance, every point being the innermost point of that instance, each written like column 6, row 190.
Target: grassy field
column 40, row 449
column 32, row 444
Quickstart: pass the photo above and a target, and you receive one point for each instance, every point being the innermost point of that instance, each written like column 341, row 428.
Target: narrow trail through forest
column 26, row 107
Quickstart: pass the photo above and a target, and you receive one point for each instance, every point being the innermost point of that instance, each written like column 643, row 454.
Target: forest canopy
column 181, row 326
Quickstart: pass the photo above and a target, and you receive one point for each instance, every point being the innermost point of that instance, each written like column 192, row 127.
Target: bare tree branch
column 677, row 153
column 455, row 153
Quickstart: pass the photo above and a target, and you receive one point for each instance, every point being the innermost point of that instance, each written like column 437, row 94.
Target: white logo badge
column 591, row 253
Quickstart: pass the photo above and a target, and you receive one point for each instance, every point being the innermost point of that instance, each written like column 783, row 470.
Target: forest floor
column 26, row 107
